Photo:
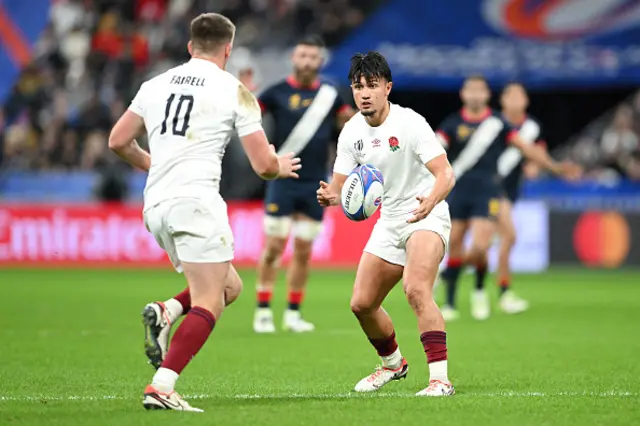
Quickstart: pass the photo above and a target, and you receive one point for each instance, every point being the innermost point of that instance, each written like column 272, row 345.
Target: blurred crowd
column 610, row 150
column 94, row 54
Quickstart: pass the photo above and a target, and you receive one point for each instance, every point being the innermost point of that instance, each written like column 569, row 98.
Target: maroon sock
column 185, row 300
column 385, row 346
column 435, row 345
column 189, row 338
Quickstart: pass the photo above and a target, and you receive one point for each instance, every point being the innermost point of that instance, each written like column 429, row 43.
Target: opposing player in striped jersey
column 306, row 112
column 190, row 113
column 475, row 137
column 514, row 102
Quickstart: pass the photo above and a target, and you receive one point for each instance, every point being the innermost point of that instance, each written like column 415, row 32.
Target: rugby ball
column 362, row 193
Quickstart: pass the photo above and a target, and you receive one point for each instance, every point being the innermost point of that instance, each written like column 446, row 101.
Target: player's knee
column 509, row 239
column 361, row 307
column 418, row 296
column 307, row 230
column 302, row 252
column 273, row 251
column 232, row 291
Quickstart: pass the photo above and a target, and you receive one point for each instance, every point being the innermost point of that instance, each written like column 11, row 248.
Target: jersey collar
column 291, row 81
column 199, row 61
column 466, row 117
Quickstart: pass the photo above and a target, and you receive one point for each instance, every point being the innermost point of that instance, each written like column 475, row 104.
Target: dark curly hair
column 370, row 66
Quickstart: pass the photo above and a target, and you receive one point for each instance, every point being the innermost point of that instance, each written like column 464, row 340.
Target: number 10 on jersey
column 175, row 129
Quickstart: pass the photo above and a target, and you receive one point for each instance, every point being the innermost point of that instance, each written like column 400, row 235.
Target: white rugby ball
column 362, row 193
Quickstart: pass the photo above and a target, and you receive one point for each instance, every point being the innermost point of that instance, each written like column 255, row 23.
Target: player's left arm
column 432, row 154
column 122, row 140
column 568, row 170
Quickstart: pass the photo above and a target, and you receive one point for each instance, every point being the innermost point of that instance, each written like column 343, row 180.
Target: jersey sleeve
column 425, row 144
column 266, row 100
column 345, row 158
column 446, row 131
column 248, row 116
column 138, row 103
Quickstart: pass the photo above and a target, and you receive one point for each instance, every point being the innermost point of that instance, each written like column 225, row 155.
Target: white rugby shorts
column 191, row 230
column 388, row 240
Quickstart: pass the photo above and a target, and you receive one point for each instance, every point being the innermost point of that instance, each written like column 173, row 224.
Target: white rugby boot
column 449, row 314
column 510, row 303
column 381, row 376
column 263, row 321
column 480, row 307
column 155, row 400
column 437, row 388
column 157, row 327
column 292, row 321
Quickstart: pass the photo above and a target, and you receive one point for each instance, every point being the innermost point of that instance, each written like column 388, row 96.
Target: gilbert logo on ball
column 362, row 193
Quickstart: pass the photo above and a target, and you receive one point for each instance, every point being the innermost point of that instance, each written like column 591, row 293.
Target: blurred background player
column 410, row 238
column 474, row 202
column 475, row 137
column 305, row 112
column 514, row 102
column 190, row 113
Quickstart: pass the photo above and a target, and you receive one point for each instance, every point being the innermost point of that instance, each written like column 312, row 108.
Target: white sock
column 174, row 309
column 438, row 371
column 392, row 361
column 164, row 380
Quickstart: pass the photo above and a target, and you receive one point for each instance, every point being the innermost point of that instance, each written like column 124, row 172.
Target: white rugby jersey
column 190, row 113
column 400, row 147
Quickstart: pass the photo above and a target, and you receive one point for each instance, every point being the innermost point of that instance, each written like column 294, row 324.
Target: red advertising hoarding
column 94, row 235
column 114, row 235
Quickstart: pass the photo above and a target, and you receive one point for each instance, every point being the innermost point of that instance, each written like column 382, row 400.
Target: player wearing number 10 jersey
column 190, row 113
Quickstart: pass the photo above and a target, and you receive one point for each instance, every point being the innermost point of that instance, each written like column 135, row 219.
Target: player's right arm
column 122, row 137
column 329, row 194
column 262, row 156
column 567, row 170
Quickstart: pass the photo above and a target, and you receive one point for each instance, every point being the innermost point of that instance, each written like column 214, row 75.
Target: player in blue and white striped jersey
column 475, row 137
column 514, row 102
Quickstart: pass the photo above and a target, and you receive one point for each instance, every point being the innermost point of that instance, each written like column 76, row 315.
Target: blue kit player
column 306, row 113
column 475, row 137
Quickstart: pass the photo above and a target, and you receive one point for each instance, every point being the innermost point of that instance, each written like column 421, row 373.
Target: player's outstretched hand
column 423, row 210
column 571, row 171
column 289, row 165
column 325, row 197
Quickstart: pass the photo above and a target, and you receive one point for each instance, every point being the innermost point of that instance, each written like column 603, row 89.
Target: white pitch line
column 509, row 394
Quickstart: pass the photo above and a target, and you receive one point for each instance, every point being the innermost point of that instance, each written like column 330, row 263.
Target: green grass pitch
column 71, row 353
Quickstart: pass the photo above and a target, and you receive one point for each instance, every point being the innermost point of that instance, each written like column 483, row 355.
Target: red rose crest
column 394, row 144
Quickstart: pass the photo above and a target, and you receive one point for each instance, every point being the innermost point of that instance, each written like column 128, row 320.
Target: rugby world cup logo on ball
column 362, row 192
column 561, row 20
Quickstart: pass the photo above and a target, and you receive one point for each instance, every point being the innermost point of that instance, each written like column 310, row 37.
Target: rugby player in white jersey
column 410, row 239
column 190, row 113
